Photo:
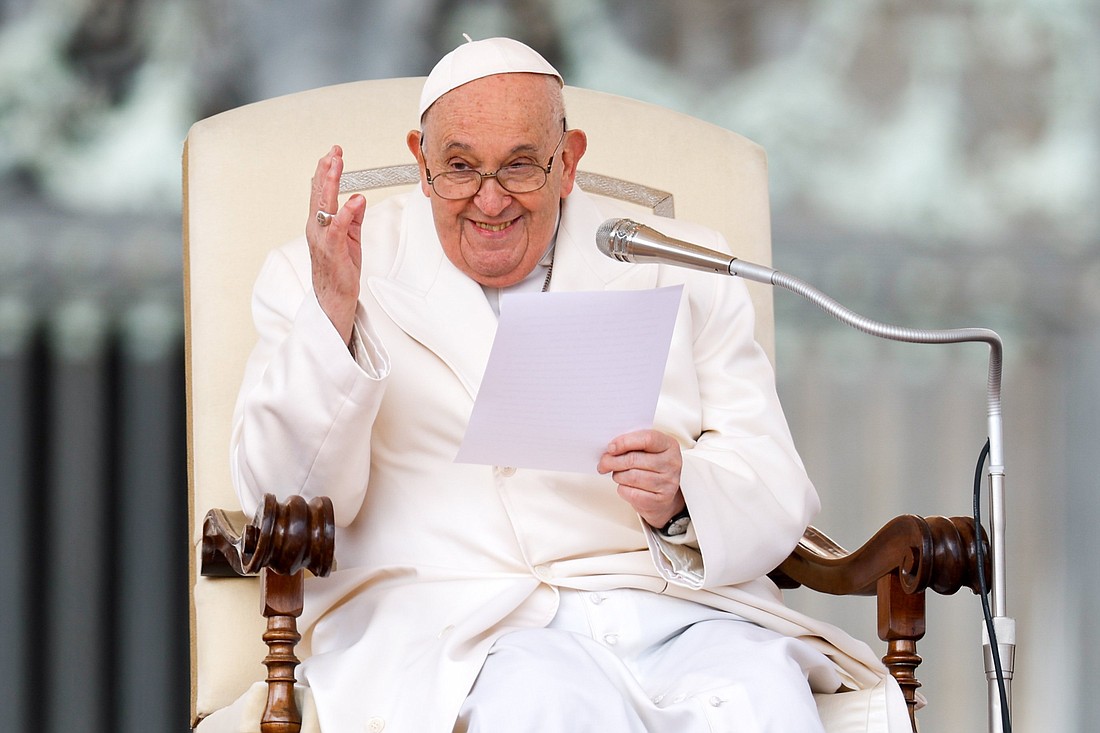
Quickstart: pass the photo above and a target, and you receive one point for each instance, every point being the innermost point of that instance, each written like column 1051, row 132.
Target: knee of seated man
column 741, row 673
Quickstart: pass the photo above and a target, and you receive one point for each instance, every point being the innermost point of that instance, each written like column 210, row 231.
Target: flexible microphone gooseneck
column 628, row 241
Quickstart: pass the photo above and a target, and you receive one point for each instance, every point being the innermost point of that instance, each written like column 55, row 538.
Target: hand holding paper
column 646, row 465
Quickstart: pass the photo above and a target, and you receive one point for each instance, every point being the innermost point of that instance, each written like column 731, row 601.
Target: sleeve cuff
column 677, row 558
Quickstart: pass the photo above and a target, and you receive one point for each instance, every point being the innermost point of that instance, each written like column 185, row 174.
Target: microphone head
column 611, row 238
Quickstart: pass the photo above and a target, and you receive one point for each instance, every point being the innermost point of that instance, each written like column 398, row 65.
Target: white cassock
column 438, row 561
column 632, row 661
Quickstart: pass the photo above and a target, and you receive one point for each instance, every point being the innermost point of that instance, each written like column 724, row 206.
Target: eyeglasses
column 514, row 178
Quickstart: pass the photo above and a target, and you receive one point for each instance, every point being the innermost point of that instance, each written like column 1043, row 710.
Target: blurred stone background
column 932, row 165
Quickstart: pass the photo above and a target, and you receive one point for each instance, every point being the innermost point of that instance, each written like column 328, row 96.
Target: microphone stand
column 999, row 636
column 628, row 241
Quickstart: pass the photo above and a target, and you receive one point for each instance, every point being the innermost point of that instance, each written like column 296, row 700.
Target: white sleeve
column 305, row 411
column 744, row 483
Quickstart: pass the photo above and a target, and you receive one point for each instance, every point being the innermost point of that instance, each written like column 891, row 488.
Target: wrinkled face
column 496, row 237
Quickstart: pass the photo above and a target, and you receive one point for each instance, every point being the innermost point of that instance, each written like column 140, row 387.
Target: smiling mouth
column 485, row 226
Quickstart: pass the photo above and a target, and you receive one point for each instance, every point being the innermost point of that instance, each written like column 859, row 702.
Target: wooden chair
column 246, row 176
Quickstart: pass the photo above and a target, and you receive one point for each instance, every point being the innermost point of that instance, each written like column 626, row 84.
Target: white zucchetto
column 477, row 59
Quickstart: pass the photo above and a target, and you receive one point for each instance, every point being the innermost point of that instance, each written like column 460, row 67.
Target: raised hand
column 335, row 248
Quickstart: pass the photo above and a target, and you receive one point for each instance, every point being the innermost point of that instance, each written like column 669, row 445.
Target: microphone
column 628, row 241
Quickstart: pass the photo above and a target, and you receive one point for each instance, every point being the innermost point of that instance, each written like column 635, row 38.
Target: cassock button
column 506, row 471
column 375, row 725
column 611, row 639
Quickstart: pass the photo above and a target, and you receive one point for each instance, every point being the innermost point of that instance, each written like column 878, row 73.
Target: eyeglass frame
column 494, row 174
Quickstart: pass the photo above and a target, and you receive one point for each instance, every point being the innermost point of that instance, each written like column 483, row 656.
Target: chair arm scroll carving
column 925, row 552
column 908, row 556
column 284, row 537
column 282, row 540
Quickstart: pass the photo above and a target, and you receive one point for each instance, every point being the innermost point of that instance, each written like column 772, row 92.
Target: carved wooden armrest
column 909, row 555
column 281, row 541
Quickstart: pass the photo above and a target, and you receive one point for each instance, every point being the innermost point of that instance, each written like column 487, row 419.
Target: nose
column 492, row 198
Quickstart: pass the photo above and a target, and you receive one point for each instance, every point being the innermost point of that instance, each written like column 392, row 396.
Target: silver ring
column 324, row 218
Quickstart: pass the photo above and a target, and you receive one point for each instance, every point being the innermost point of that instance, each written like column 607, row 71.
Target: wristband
column 677, row 525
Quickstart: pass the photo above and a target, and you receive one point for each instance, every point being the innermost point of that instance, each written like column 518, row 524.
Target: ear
column 412, row 140
column 576, row 142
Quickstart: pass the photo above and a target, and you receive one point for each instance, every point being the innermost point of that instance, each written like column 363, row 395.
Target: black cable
column 1006, row 723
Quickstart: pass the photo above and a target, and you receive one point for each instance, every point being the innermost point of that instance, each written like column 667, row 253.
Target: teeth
column 493, row 227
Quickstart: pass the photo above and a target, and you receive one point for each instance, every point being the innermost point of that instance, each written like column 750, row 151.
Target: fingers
column 655, row 509
column 335, row 245
column 646, row 465
column 325, row 198
column 325, row 186
column 646, row 458
column 648, row 441
column 355, row 208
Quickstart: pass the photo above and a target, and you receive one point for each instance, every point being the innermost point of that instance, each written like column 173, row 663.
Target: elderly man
column 477, row 598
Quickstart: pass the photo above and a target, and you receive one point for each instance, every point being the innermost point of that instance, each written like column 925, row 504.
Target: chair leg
column 282, row 597
column 901, row 623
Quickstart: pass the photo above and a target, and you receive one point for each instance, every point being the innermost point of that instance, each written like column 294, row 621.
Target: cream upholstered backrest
column 246, row 190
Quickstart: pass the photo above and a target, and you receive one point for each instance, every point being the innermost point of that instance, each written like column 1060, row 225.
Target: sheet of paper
column 567, row 373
